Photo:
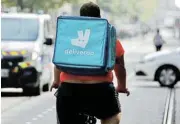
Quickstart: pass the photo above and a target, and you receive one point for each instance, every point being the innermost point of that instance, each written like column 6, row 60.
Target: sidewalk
column 172, row 43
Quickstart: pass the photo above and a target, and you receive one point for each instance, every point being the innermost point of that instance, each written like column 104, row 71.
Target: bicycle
column 83, row 118
column 87, row 119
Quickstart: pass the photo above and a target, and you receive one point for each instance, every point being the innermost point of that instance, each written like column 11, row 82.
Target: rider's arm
column 56, row 81
column 56, row 74
column 120, row 72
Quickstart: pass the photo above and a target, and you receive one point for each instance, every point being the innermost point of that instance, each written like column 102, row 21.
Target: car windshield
column 19, row 29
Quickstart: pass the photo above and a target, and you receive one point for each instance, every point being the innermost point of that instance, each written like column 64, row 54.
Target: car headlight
column 34, row 56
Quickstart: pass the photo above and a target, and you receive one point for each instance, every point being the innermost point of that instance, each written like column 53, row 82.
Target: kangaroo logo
column 82, row 39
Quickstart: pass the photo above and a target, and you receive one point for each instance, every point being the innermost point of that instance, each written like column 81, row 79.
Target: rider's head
column 90, row 9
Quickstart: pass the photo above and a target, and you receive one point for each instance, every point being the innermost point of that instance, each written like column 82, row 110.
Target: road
column 145, row 105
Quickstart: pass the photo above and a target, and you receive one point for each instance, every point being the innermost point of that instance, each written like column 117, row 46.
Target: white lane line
column 169, row 108
column 166, row 108
column 45, row 112
column 49, row 110
column 40, row 116
column 28, row 123
column 171, row 113
column 34, row 119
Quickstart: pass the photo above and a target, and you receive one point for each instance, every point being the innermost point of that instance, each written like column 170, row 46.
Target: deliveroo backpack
column 84, row 45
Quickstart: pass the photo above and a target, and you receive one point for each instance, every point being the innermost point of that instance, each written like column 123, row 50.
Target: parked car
column 26, row 52
column 163, row 66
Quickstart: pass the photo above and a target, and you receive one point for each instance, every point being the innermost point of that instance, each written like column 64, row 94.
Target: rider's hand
column 55, row 85
column 122, row 90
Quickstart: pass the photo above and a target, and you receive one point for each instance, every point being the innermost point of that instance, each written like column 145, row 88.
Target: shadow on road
column 12, row 94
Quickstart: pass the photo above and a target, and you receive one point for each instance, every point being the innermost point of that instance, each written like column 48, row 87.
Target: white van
column 26, row 52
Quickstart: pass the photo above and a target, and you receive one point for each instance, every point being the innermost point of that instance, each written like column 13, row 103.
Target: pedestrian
column 96, row 95
column 158, row 41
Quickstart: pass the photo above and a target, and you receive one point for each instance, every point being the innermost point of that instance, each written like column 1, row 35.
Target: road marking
column 34, row 119
column 50, row 109
column 171, row 114
column 28, row 122
column 45, row 112
column 40, row 116
column 169, row 108
column 8, row 104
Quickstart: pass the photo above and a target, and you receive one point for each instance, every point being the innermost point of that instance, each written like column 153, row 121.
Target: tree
column 142, row 9
column 35, row 5
column 8, row 3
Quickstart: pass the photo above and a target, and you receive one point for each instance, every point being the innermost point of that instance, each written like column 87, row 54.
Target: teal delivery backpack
column 84, row 45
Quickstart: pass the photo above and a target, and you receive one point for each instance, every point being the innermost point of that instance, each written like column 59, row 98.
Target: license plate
column 4, row 73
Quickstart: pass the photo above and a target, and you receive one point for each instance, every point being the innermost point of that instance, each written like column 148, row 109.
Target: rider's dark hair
column 90, row 9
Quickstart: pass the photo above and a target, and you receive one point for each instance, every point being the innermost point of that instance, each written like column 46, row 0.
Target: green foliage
column 37, row 4
column 139, row 8
column 9, row 3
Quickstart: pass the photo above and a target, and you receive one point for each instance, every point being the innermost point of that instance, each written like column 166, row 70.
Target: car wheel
column 32, row 91
column 167, row 76
column 46, row 87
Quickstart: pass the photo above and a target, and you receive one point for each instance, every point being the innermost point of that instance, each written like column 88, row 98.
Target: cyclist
column 93, row 95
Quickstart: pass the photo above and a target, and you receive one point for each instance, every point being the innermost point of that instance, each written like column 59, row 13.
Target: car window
column 47, row 28
column 19, row 29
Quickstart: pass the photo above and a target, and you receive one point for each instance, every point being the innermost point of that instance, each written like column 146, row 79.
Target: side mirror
column 49, row 41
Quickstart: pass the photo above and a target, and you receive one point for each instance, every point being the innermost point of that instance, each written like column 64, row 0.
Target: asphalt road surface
column 145, row 105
